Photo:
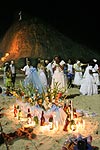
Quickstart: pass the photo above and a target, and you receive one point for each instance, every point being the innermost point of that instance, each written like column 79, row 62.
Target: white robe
column 58, row 77
column 95, row 74
column 43, row 79
column 88, row 85
column 78, row 75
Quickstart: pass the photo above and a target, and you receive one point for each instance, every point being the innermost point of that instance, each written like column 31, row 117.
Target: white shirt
column 58, row 69
column 12, row 68
column 70, row 68
column 26, row 69
column 49, row 67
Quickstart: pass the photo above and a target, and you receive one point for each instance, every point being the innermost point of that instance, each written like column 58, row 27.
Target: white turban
column 78, row 62
column 94, row 60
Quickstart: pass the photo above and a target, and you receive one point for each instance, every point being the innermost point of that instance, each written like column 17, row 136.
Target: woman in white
column 88, row 85
column 69, row 73
column 49, row 71
column 96, row 71
column 58, row 73
column 32, row 77
column 26, row 70
column 42, row 76
column 78, row 73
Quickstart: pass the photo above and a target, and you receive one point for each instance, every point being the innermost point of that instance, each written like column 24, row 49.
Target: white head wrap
column 94, row 60
column 78, row 62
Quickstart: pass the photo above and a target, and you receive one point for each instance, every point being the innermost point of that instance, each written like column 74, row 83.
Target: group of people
column 47, row 74
column 56, row 74
column 59, row 74
column 88, row 80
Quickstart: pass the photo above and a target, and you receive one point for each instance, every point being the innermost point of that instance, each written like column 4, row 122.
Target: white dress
column 34, row 79
column 95, row 74
column 88, row 84
column 43, row 78
column 58, row 76
column 78, row 75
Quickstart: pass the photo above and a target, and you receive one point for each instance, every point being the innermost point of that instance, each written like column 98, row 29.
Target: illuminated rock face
column 29, row 38
column 21, row 41
column 32, row 38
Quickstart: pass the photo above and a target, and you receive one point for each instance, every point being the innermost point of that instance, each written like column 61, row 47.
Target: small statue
column 20, row 16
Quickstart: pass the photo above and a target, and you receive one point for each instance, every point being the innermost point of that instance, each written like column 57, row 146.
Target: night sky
column 75, row 19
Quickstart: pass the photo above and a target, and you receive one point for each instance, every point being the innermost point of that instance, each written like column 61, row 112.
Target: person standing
column 13, row 73
column 58, row 73
column 88, row 84
column 96, row 72
column 49, row 71
column 32, row 77
column 70, row 73
column 42, row 75
column 77, row 73
column 4, row 75
column 8, row 80
column 26, row 68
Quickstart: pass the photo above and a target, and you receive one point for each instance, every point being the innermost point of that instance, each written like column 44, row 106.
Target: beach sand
column 90, row 105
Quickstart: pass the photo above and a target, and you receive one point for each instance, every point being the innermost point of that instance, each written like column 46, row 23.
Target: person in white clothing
column 88, row 84
column 42, row 75
column 4, row 75
column 58, row 73
column 32, row 77
column 13, row 72
column 77, row 73
column 49, row 71
column 96, row 71
column 70, row 73
column 26, row 70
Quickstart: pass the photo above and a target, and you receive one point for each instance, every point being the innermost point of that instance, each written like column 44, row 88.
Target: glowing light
column 3, row 59
column 7, row 54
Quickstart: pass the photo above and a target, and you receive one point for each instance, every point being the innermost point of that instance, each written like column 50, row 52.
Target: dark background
column 75, row 19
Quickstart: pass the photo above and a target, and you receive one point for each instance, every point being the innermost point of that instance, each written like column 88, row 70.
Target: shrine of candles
column 58, row 116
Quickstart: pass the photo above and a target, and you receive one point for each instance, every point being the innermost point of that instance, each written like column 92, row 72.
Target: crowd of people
column 56, row 73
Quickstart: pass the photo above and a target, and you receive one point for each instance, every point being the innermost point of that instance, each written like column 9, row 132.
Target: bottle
column 42, row 119
column 70, row 104
column 19, row 114
column 64, row 108
column 29, row 116
column 74, row 113
column 66, row 124
column 67, row 105
column 29, row 113
column 71, row 111
column 51, row 122
column 15, row 111
column 36, row 120
column 18, row 108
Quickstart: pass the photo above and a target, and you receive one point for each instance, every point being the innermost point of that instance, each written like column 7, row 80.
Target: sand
column 90, row 105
